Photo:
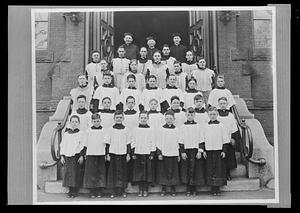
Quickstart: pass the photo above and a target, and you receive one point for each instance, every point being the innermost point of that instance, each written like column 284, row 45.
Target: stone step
column 236, row 184
column 240, row 171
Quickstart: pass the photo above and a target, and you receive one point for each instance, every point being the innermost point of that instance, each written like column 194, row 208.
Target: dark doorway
column 143, row 23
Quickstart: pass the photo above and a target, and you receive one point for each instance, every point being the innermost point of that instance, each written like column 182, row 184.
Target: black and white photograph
column 154, row 105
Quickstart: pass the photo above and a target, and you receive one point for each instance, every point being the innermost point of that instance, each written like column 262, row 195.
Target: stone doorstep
column 240, row 171
column 236, row 184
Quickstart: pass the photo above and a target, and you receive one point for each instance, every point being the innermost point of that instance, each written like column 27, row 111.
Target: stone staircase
column 239, row 182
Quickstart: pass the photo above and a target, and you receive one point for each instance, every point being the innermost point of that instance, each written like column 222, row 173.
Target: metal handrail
column 57, row 132
column 246, row 134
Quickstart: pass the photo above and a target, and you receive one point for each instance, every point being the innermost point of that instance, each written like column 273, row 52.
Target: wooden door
column 203, row 36
column 99, row 34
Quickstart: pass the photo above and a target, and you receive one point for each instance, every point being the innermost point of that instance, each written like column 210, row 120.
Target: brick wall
column 247, row 69
column 57, row 68
column 230, row 63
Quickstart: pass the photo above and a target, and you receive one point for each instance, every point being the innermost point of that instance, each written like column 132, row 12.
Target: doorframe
column 207, row 20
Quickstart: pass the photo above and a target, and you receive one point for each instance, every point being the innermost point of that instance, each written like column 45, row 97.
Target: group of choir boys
column 152, row 119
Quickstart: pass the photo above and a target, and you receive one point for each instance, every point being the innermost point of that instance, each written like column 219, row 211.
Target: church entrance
column 104, row 31
column 144, row 23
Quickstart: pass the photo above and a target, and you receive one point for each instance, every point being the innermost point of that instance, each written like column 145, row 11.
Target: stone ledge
column 236, row 184
column 260, row 54
column 239, row 54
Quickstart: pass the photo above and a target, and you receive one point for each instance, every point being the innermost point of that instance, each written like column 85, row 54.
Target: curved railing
column 56, row 138
column 247, row 140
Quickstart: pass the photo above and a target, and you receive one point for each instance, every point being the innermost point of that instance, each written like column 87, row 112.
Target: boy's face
column 172, row 80
column 118, row 119
column 130, row 103
column 107, row 79
column 96, row 57
column 82, row 80
column 143, row 52
column 103, row 64
column 202, row 63
column 96, row 122
column 156, row 57
column 198, row 103
column 169, row 119
column 152, row 82
column 192, row 84
column 220, row 82
column 222, row 104
column 131, row 82
column 166, row 50
column 190, row 116
column 151, row 43
column 121, row 52
column 143, row 118
column 106, row 103
column 177, row 67
column 175, row 104
column 128, row 39
column 74, row 123
column 189, row 56
column 153, row 105
column 81, row 103
column 176, row 40
column 212, row 115
column 133, row 66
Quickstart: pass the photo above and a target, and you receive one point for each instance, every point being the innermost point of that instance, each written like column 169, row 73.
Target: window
column 262, row 21
column 41, row 31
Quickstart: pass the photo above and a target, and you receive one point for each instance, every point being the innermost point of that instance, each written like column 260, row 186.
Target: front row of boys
column 202, row 150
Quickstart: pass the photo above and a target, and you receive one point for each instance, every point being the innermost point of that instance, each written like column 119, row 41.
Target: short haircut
column 221, row 77
column 202, row 59
column 175, row 97
column 189, row 51
column 166, row 45
column 130, row 97
column 107, row 74
column 143, row 112
column 133, row 60
column 121, row 47
column 192, row 79
column 75, row 116
column 198, row 97
column 81, row 96
column 95, row 51
column 212, row 108
column 128, row 34
column 118, row 112
column 157, row 51
column 177, row 62
column 103, row 99
column 171, row 75
column 190, row 110
column 103, row 60
column 144, row 48
column 81, row 74
column 152, row 76
column 170, row 112
column 222, row 98
column 131, row 76
column 96, row 116
column 153, row 99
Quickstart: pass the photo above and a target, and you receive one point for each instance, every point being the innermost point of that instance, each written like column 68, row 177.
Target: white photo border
column 41, row 9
